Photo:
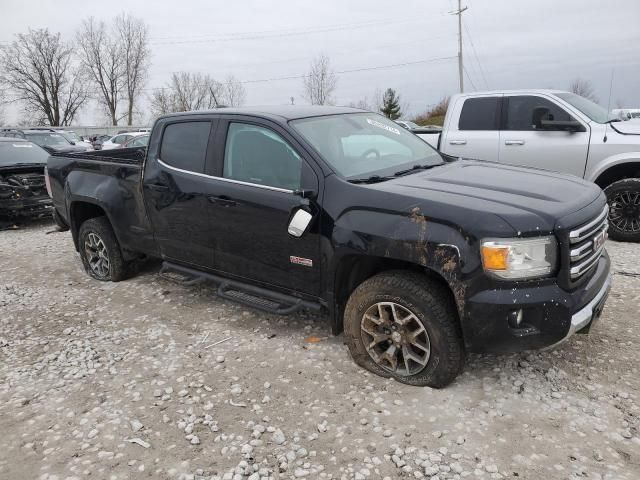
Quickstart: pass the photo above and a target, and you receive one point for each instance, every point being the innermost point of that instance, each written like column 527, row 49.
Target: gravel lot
column 128, row 380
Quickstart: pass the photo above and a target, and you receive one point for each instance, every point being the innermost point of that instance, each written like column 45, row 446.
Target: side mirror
column 562, row 125
column 299, row 223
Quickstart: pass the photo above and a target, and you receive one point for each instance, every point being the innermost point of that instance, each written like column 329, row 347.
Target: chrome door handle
column 457, row 142
column 514, row 142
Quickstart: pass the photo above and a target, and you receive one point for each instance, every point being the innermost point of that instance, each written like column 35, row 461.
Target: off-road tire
column 101, row 227
column 431, row 303
column 632, row 187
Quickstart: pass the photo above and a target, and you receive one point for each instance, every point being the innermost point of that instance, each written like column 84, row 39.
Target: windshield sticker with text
column 383, row 126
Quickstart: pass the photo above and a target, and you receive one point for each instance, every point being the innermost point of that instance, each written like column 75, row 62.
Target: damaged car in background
column 23, row 191
column 417, row 258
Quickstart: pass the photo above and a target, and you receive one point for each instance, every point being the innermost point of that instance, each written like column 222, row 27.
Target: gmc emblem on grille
column 599, row 239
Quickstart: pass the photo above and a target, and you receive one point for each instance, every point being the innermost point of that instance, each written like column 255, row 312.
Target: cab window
column 184, row 145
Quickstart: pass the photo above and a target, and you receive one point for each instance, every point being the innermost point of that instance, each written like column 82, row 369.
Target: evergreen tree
column 391, row 104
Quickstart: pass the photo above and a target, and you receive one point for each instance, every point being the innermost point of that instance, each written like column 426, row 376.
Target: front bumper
column 26, row 207
column 550, row 314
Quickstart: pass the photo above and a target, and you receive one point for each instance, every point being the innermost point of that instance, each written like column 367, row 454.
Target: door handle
column 514, row 142
column 457, row 142
column 222, row 200
column 158, row 187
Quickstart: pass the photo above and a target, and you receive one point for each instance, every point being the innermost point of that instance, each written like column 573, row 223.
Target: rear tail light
column 47, row 182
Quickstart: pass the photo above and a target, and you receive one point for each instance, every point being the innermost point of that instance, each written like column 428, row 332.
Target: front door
column 522, row 144
column 256, row 198
column 176, row 192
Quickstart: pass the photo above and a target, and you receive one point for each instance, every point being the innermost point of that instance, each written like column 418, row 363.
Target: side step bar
column 249, row 295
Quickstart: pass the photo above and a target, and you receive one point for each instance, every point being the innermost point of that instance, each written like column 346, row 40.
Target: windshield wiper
column 415, row 168
column 613, row 120
column 371, row 179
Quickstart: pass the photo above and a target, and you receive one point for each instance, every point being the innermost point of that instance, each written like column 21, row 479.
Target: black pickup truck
column 417, row 257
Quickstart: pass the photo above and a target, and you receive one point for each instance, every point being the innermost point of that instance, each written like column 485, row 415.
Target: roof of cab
column 283, row 112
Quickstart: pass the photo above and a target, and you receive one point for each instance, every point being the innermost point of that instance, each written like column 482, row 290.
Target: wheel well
column 355, row 269
column 618, row 172
column 80, row 212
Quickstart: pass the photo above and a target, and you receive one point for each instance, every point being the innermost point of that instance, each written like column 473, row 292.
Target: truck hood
column 631, row 127
column 527, row 199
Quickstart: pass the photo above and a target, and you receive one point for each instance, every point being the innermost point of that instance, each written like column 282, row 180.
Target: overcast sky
column 507, row 43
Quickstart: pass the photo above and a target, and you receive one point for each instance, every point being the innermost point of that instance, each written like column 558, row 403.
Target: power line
column 276, row 34
column 339, row 72
column 342, row 53
column 278, row 31
column 469, row 77
column 473, row 49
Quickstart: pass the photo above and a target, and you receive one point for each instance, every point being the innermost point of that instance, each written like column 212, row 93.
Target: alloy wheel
column 97, row 255
column 395, row 338
column 624, row 212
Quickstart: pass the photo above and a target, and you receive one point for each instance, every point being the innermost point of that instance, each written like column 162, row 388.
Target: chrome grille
column 587, row 244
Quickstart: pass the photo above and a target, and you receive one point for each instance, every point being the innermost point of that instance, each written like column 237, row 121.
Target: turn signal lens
column 495, row 257
column 519, row 258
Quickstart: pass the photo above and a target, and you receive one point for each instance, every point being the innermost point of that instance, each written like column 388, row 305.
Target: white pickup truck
column 553, row 130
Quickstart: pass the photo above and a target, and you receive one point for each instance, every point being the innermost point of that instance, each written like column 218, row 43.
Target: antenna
column 608, row 107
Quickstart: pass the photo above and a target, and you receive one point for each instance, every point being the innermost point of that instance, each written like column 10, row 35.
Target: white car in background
column 118, row 140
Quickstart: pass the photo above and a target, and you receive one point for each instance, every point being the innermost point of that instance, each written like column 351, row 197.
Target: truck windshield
column 365, row 144
column 20, row 152
column 592, row 110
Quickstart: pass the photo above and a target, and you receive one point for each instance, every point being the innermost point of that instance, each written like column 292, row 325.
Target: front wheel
column 623, row 198
column 402, row 325
column 100, row 251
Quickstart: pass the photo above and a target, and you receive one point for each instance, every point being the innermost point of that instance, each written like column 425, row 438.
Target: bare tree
column 233, row 92
column 103, row 56
column 39, row 72
column 161, row 102
column 133, row 36
column 584, row 89
column 320, row 82
column 187, row 91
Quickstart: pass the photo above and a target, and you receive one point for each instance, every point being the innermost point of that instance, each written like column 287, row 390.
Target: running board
column 249, row 295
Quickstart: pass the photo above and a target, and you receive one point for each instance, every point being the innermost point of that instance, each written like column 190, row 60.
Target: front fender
column 440, row 248
column 603, row 165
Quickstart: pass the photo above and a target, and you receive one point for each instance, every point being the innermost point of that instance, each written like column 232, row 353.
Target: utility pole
column 460, row 67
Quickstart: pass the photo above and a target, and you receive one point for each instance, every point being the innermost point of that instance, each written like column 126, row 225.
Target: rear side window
column 522, row 110
column 480, row 114
column 184, row 145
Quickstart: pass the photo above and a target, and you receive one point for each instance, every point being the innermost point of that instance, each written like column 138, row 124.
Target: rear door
column 176, row 190
column 522, row 144
column 476, row 134
column 255, row 197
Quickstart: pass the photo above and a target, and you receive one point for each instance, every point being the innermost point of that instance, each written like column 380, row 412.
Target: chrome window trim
column 229, row 180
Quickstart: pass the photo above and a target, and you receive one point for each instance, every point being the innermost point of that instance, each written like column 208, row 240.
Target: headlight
column 516, row 258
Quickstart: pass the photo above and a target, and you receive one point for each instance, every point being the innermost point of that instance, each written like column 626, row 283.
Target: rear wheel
column 100, row 251
column 402, row 325
column 623, row 198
